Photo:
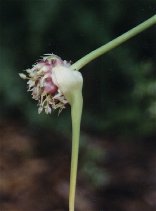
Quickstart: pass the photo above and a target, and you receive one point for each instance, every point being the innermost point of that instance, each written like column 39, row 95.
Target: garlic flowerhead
column 52, row 83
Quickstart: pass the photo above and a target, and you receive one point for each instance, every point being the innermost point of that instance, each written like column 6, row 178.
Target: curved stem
column 76, row 112
column 114, row 43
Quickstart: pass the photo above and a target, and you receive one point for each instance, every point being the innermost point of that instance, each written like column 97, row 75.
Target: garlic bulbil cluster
column 51, row 82
column 42, row 84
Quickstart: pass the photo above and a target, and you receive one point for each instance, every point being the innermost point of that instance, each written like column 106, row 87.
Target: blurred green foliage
column 119, row 88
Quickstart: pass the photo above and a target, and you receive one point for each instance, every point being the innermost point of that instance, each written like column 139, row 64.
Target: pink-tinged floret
column 49, row 86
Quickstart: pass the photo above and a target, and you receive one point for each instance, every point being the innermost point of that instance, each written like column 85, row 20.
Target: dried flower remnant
column 43, row 83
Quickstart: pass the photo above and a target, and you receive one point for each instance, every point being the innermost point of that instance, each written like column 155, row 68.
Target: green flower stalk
column 70, row 83
column 54, row 83
column 114, row 43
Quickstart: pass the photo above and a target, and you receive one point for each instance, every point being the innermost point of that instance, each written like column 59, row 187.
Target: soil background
column 32, row 180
